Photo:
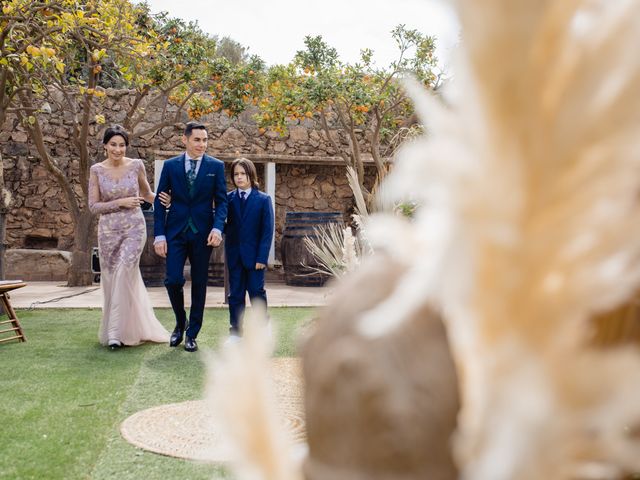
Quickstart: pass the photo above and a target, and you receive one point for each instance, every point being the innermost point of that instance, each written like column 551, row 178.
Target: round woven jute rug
column 190, row 430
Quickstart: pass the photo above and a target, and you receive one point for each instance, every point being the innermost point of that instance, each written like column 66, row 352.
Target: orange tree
column 231, row 87
column 365, row 102
column 172, row 77
column 59, row 55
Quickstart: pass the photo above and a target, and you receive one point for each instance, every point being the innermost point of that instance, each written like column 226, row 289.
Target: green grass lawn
column 63, row 395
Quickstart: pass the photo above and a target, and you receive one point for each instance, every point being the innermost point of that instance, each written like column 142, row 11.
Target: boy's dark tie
column 243, row 201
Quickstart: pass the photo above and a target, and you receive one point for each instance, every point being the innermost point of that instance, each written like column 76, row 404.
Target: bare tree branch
column 348, row 124
column 35, row 132
column 325, row 127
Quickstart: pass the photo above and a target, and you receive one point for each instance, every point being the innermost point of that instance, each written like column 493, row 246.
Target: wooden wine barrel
column 299, row 264
column 152, row 266
column 216, row 267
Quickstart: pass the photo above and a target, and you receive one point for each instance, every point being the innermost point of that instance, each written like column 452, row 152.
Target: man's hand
column 214, row 239
column 160, row 248
column 260, row 266
column 165, row 199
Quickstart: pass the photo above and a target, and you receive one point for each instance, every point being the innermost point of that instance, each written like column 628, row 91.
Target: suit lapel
column 182, row 173
column 235, row 201
column 249, row 202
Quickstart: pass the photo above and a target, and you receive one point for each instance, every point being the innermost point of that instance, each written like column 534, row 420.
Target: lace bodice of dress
column 104, row 189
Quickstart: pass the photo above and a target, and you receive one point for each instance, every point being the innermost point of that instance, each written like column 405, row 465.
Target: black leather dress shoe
column 176, row 338
column 190, row 344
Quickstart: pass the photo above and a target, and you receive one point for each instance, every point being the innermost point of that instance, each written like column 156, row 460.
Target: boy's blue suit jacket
column 248, row 237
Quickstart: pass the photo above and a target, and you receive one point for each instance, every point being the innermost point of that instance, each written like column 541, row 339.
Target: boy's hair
column 249, row 169
column 191, row 126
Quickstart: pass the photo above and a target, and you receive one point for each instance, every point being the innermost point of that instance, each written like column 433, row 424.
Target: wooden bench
column 10, row 326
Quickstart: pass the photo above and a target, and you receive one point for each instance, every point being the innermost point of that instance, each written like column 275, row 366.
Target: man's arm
column 266, row 234
column 220, row 199
column 159, row 213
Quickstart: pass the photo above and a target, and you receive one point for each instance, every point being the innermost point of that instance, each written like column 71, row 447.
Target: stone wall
column 309, row 175
column 36, row 264
column 308, row 188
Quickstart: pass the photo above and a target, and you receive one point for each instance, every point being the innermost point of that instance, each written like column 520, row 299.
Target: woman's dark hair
column 114, row 131
column 249, row 168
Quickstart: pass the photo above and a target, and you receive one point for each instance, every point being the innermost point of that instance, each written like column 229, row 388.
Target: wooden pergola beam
column 270, row 157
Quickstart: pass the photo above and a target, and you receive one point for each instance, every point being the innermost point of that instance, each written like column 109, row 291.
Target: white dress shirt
column 187, row 163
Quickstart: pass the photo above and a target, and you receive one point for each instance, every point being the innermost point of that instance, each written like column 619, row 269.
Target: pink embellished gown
column 127, row 314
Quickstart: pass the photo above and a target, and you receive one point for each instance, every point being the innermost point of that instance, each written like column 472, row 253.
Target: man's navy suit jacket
column 209, row 185
column 248, row 237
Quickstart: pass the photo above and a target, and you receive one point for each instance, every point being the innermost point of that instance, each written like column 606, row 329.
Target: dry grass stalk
column 360, row 205
column 241, row 389
column 335, row 249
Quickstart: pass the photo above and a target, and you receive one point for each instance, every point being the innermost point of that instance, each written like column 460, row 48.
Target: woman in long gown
column 117, row 187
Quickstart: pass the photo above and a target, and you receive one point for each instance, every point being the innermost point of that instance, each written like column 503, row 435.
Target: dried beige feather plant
column 334, row 246
column 530, row 226
column 241, row 390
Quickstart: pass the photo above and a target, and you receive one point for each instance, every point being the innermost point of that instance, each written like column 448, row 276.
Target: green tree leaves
column 366, row 102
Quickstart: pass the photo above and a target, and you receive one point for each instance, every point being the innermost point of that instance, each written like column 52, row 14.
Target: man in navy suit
column 248, row 237
column 190, row 227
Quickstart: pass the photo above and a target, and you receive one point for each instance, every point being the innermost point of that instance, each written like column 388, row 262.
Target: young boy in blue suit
column 248, row 237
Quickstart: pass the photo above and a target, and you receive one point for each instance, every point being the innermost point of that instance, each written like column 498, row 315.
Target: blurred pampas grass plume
column 241, row 390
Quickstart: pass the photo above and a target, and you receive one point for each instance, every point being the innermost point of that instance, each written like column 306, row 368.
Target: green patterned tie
column 191, row 178
column 191, row 174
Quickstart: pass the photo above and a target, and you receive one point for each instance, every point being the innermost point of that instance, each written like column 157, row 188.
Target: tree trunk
column 3, row 225
column 80, row 269
column 5, row 201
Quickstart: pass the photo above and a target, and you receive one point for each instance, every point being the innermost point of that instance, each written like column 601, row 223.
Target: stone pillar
column 157, row 169
column 270, row 188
